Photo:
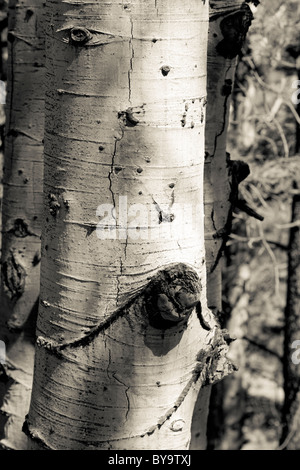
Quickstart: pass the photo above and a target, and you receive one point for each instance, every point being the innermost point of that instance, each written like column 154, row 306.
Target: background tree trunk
column 125, row 337
column 21, row 214
column 229, row 23
column 291, row 417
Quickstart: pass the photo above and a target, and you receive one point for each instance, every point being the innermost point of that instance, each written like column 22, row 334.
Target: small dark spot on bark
column 36, row 259
column 118, row 169
column 140, row 193
column 139, row 170
column 25, row 180
column 131, row 118
column 154, row 41
column 28, row 15
column 192, row 125
column 227, row 88
column 183, row 120
column 90, row 229
column 46, row 247
column 101, row 148
column 20, row 172
column 171, row 185
column 165, row 70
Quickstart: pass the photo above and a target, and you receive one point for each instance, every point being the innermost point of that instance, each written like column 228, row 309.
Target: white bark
column 125, row 109
column 21, row 213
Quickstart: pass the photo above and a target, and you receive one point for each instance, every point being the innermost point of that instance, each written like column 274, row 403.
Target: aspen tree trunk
column 125, row 338
column 291, row 409
column 229, row 23
column 21, row 214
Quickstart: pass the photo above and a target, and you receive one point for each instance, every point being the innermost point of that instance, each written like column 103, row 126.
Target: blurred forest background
column 247, row 408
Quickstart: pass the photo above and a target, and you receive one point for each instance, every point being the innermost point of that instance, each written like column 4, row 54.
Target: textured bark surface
column 227, row 30
column 21, row 213
column 291, row 409
column 125, row 337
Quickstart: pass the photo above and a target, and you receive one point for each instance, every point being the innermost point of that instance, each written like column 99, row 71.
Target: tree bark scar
column 54, row 205
column 21, row 229
column 238, row 171
column 168, row 300
column 172, row 296
column 234, row 28
column 26, row 429
column 14, row 275
column 79, row 35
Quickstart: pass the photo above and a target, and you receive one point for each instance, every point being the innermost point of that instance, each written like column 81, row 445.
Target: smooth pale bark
column 21, row 214
column 125, row 116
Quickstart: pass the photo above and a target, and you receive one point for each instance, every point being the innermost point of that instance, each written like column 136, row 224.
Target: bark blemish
column 165, row 70
column 21, row 229
column 36, row 259
column 227, row 87
column 172, row 296
column 131, row 60
column 118, row 169
column 54, row 205
column 162, row 215
column 28, row 15
column 79, row 35
column 234, row 28
column 178, row 425
column 14, row 275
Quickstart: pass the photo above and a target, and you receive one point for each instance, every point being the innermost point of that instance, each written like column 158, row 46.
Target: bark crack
column 131, row 60
column 126, row 393
column 225, row 107
column 110, row 178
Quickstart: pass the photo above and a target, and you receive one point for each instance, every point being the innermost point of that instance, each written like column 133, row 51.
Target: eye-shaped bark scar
column 81, row 36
